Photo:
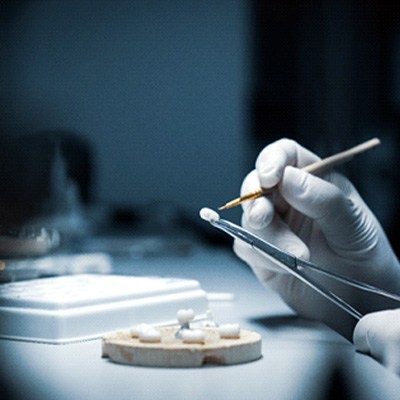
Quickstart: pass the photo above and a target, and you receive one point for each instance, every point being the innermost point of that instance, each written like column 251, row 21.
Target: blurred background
column 154, row 109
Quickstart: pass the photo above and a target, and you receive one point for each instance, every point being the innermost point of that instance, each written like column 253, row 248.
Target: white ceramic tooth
column 137, row 329
column 150, row 335
column 185, row 316
column 209, row 215
column 229, row 331
column 193, row 336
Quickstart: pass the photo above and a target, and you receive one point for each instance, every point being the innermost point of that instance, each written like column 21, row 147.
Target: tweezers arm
column 287, row 261
column 348, row 281
column 295, row 266
column 317, row 287
column 266, row 248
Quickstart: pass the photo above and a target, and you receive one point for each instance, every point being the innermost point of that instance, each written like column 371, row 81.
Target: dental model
column 193, row 336
column 209, row 215
column 210, row 321
column 188, row 345
column 184, row 317
column 136, row 330
column 150, row 335
column 229, row 331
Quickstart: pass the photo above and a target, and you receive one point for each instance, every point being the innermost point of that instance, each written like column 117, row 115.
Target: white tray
column 81, row 307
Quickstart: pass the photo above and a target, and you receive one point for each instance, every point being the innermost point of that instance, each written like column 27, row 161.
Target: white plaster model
column 210, row 321
column 209, row 215
column 229, row 331
column 193, row 336
column 137, row 329
column 150, row 335
column 185, row 316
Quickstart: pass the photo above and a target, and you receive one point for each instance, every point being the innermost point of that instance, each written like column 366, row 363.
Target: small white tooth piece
column 150, row 335
column 229, row 331
column 137, row 329
column 209, row 215
column 185, row 316
column 193, row 336
column 209, row 321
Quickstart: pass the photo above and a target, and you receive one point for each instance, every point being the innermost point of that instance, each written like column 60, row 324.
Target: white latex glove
column 378, row 334
column 323, row 220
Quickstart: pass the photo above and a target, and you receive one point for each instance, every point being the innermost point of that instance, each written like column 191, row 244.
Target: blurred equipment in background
column 45, row 181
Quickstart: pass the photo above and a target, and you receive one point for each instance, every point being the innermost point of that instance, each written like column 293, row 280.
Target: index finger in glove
column 258, row 213
column 273, row 159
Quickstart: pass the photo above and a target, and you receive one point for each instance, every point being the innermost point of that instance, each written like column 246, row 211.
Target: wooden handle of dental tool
column 314, row 168
column 340, row 158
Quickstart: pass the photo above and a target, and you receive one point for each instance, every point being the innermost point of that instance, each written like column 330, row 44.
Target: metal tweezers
column 295, row 266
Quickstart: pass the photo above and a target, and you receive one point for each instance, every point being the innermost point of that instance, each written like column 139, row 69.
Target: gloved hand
column 378, row 334
column 323, row 220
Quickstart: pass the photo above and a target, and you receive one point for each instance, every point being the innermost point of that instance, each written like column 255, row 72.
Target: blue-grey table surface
column 301, row 359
